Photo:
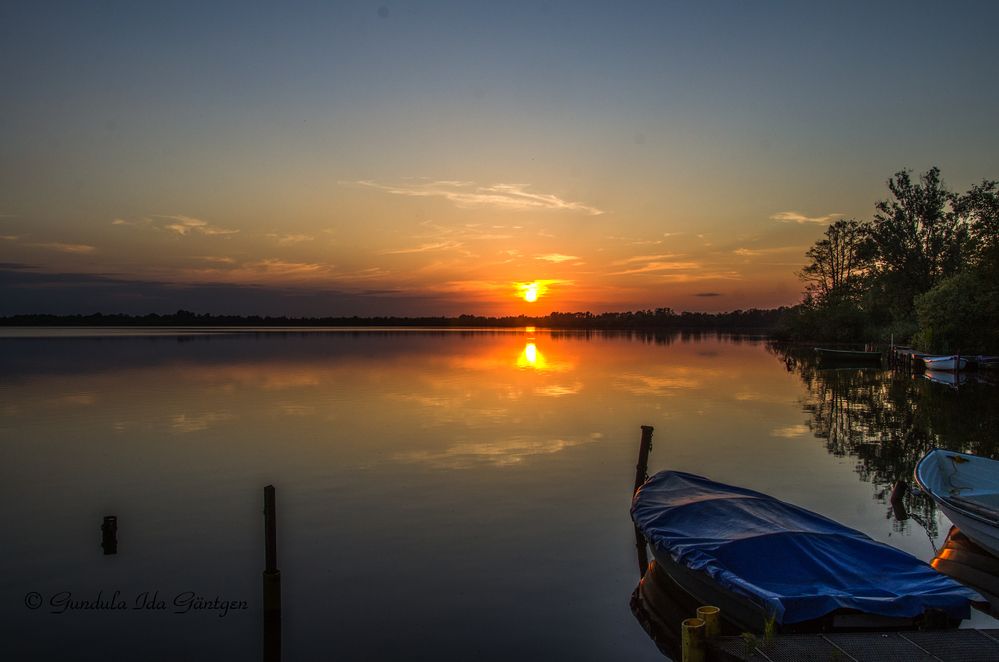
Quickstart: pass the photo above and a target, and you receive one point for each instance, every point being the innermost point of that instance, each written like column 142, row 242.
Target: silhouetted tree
column 837, row 261
column 918, row 239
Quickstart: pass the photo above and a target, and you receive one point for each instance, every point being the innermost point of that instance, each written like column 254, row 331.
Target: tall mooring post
column 271, row 581
column 642, row 468
column 641, row 474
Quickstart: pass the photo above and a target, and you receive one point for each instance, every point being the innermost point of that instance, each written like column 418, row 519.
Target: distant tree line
column 661, row 318
column 924, row 269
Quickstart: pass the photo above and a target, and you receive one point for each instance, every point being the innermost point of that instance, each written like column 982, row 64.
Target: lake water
column 441, row 494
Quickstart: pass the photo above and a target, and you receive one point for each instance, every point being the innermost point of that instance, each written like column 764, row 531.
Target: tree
column 918, row 239
column 979, row 209
column 837, row 262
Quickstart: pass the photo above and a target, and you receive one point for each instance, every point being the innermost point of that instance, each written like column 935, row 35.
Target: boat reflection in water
column 660, row 605
column 963, row 560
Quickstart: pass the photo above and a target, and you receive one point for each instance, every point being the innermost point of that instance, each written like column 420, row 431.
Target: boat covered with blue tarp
column 782, row 561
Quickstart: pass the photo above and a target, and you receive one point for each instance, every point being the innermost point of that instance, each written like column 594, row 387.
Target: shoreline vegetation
column 924, row 270
column 661, row 318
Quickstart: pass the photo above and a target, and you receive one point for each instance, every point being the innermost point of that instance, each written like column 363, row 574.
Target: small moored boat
column 953, row 362
column 760, row 558
column 826, row 354
column 966, row 487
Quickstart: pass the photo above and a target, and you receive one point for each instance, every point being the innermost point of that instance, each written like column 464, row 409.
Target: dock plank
column 967, row 645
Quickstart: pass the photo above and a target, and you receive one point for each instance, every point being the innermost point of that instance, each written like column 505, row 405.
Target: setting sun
column 533, row 290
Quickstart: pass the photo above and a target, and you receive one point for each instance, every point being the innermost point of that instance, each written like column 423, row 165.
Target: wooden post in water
column 272, row 576
column 641, row 473
column 271, row 581
column 109, row 535
column 642, row 468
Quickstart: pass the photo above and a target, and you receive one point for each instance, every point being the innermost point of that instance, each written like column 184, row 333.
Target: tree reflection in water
column 888, row 420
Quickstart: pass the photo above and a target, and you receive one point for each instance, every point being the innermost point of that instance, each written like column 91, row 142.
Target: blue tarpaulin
column 795, row 564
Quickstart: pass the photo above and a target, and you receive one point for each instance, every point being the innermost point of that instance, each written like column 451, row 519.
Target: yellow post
column 712, row 620
column 692, row 640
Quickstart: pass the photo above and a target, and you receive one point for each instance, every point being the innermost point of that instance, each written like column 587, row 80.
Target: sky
column 428, row 158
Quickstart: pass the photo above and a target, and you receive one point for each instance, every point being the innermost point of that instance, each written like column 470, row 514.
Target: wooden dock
column 917, row 646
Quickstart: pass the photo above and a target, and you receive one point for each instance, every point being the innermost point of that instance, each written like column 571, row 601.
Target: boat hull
column 984, row 535
column 966, row 488
column 947, row 363
column 846, row 355
column 747, row 616
column 764, row 560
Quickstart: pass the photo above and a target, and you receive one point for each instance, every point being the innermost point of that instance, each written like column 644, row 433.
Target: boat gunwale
column 940, row 499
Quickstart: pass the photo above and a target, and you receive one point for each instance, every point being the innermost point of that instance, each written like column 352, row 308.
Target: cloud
column 185, row 423
column 27, row 289
column 645, row 258
column 653, row 267
column 276, row 267
column 215, row 259
column 708, row 294
column 176, row 223
column 290, row 239
column 796, row 217
column 556, row 257
column 513, row 197
column 59, row 246
column 185, row 225
column 425, row 248
column 752, row 252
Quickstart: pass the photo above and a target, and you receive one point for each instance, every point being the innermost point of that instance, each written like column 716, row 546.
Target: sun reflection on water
column 531, row 357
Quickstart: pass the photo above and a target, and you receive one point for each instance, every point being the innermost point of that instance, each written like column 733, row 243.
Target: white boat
column 966, row 487
column 953, row 362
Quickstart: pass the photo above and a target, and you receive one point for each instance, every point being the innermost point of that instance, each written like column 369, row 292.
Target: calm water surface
column 441, row 494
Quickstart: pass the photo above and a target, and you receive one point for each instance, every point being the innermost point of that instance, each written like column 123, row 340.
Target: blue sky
column 315, row 143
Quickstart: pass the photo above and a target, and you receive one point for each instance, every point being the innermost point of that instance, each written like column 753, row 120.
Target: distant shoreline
column 754, row 320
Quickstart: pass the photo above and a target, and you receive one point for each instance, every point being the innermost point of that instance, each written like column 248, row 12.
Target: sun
column 531, row 291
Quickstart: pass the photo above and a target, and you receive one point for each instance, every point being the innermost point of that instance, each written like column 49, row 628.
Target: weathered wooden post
column 271, row 581
column 109, row 535
column 692, row 642
column 642, row 468
column 272, row 576
column 641, row 474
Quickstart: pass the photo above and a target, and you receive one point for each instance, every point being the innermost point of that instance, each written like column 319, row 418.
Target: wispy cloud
column 214, row 259
column 184, row 225
column 65, row 248
column 425, row 248
column 653, row 267
column 797, row 217
column 556, row 258
column 708, row 294
column 289, row 239
column 514, row 197
column 176, row 223
column 185, row 423
column 750, row 252
column 644, row 258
